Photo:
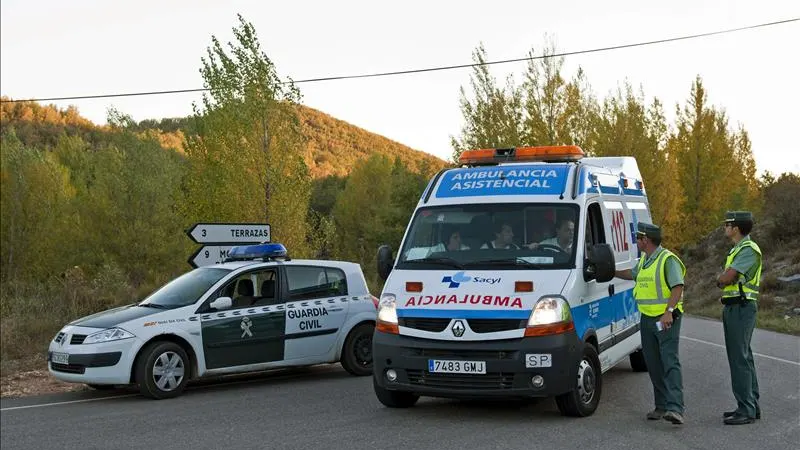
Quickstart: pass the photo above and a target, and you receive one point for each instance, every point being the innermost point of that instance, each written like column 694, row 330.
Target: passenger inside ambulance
column 488, row 234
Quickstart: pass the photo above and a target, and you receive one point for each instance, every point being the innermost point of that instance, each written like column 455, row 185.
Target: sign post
column 221, row 237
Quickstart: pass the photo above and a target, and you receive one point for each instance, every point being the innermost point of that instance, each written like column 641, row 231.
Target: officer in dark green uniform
column 659, row 297
column 740, row 285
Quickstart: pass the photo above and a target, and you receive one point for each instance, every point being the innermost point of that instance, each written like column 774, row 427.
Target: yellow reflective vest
column 749, row 287
column 652, row 292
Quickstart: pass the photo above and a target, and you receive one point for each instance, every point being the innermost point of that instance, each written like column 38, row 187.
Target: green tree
column 246, row 162
column 493, row 116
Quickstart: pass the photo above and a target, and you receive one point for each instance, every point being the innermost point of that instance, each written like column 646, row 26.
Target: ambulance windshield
column 492, row 236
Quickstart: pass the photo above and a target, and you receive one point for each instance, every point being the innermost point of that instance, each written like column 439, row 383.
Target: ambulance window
column 595, row 233
column 315, row 282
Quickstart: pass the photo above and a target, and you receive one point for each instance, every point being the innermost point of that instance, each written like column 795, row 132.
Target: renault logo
column 458, row 328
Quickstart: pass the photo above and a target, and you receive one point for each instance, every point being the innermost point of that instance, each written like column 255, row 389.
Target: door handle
column 611, row 290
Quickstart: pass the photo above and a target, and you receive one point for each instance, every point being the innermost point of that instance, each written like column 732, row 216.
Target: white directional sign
column 213, row 233
column 208, row 255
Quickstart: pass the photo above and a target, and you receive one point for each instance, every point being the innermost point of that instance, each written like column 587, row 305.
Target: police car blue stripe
column 463, row 313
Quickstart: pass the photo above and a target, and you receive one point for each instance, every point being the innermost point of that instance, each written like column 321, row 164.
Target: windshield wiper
column 152, row 305
column 439, row 260
column 505, row 262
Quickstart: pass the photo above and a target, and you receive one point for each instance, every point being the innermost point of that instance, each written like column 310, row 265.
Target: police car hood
column 472, row 293
column 116, row 316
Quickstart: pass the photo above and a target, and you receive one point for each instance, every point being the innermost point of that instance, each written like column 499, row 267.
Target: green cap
column 649, row 230
column 738, row 216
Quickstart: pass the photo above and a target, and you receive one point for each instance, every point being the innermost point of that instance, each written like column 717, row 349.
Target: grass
column 767, row 319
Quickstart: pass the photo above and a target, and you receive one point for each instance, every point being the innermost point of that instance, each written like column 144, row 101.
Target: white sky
column 56, row 48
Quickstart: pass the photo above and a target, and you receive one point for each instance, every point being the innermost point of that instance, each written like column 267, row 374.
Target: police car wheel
column 162, row 370
column 357, row 351
column 583, row 400
column 394, row 399
column 638, row 363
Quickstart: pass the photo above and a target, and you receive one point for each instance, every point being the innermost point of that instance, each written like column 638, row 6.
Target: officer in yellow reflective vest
column 659, row 296
column 739, row 283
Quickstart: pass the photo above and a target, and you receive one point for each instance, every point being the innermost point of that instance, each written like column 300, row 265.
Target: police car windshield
column 186, row 289
column 492, row 236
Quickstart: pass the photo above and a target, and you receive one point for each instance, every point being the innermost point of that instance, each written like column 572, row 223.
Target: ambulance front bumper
column 511, row 365
column 102, row 363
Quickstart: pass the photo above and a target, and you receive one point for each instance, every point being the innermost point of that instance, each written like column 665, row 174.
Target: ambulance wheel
column 583, row 400
column 162, row 370
column 638, row 363
column 394, row 399
column 357, row 350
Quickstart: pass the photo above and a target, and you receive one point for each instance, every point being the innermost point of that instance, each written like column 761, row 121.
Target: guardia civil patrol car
column 504, row 284
column 258, row 310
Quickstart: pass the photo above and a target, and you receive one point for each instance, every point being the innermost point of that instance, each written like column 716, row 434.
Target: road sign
column 214, row 233
column 208, row 255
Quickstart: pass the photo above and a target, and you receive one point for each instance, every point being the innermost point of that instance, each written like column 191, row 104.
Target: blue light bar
column 259, row 251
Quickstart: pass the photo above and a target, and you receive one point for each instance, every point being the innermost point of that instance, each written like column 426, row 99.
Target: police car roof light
column 552, row 153
column 258, row 251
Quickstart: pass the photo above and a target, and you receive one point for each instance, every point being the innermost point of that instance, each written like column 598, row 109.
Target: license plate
column 59, row 358
column 451, row 366
column 538, row 360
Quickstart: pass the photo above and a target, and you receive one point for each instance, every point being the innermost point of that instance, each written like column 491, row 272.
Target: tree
column 493, row 117
column 246, row 162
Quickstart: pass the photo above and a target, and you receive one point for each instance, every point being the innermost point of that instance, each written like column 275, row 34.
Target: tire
column 102, row 387
column 152, row 360
column 357, row 350
column 638, row 363
column 583, row 400
column 394, row 399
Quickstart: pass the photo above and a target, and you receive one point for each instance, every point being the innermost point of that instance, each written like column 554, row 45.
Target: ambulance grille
column 495, row 325
column 59, row 337
column 489, row 381
column 77, row 339
column 476, row 355
column 424, row 323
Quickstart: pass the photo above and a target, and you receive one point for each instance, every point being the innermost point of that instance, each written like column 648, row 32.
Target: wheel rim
column 168, row 371
column 587, row 382
column 362, row 350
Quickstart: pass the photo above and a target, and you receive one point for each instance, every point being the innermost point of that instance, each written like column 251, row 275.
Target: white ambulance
column 504, row 283
column 258, row 310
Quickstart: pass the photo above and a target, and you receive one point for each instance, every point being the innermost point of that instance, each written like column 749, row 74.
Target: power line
column 430, row 69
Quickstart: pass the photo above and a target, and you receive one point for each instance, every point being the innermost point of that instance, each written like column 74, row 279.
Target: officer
column 739, row 282
column 659, row 296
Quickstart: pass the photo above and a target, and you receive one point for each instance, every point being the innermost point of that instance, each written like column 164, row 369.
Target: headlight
column 387, row 315
column 550, row 315
column 111, row 334
column 387, row 309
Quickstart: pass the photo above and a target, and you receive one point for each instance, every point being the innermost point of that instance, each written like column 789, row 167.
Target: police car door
column 316, row 309
column 251, row 331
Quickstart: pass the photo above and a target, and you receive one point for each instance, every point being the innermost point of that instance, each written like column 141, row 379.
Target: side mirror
column 385, row 261
column 600, row 264
column 221, row 303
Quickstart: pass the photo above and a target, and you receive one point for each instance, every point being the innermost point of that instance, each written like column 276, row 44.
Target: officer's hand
column 666, row 320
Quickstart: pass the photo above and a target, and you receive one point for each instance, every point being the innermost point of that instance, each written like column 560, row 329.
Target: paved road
column 326, row 408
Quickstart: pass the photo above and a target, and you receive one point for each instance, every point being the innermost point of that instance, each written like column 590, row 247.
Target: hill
column 333, row 146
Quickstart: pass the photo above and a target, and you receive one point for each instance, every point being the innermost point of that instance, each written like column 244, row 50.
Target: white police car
column 258, row 310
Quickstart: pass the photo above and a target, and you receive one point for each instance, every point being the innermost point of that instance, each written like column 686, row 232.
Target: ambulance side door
column 316, row 309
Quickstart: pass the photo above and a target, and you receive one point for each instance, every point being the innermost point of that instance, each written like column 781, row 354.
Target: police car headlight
column 550, row 310
column 111, row 334
column 387, row 309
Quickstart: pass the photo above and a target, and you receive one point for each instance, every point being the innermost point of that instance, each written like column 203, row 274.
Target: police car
column 257, row 310
column 504, row 285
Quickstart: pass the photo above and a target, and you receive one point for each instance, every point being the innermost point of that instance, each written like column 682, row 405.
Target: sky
column 86, row 47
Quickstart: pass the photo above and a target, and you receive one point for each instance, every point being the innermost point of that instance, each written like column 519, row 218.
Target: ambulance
column 504, row 284
column 256, row 311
